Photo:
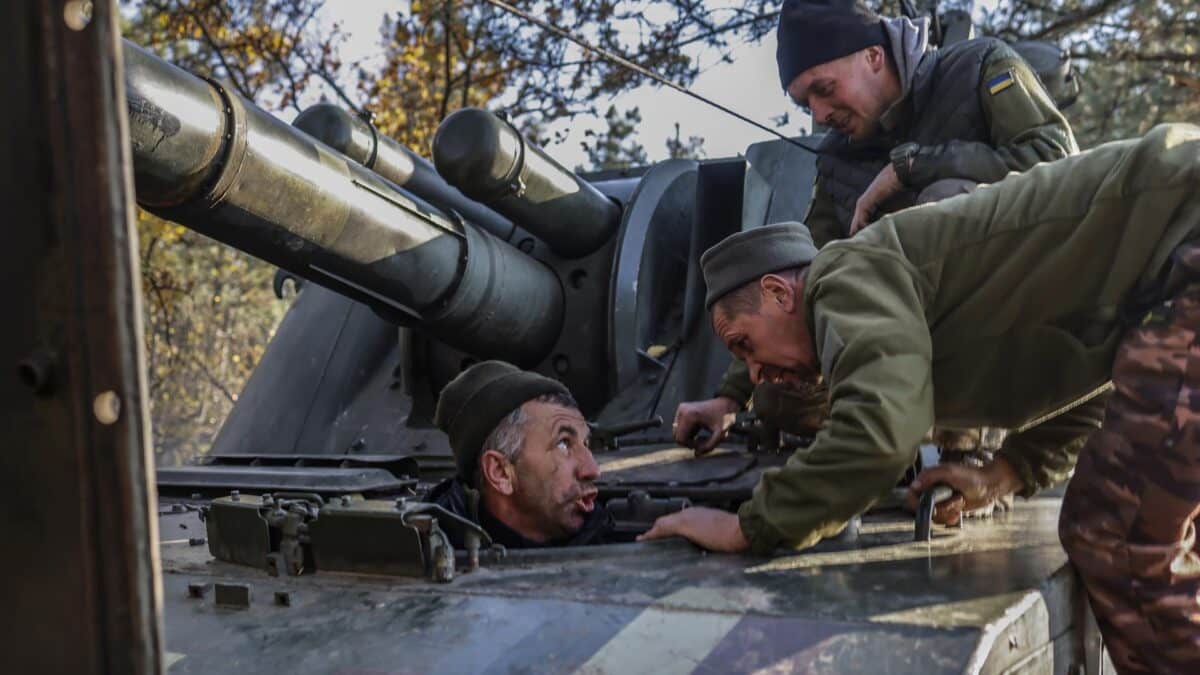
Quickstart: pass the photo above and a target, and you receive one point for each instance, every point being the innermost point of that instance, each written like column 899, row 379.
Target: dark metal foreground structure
column 80, row 569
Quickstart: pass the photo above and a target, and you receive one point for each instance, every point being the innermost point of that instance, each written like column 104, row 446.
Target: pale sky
column 748, row 85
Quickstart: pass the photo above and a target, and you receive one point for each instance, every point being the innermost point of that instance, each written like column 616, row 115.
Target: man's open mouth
column 587, row 503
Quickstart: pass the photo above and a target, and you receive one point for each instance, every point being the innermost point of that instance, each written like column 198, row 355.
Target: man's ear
column 876, row 59
column 778, row 291
column 498, row 472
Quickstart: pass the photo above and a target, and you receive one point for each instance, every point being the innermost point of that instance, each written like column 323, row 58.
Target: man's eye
column 563, row 444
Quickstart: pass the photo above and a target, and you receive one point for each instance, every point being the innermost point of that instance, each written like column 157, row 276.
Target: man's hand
column 974, row 487
column 715, row 414
column 713, row 529
column 885, row 186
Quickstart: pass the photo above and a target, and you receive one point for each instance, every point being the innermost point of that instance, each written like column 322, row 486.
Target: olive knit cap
column 748, row 255
column 474, row 403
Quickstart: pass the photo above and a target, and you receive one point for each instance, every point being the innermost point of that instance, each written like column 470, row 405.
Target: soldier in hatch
column 910, row 124
column 1005, row 307
column 525, row 473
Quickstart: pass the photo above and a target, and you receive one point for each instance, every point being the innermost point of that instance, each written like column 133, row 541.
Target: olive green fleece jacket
column 1026, row 128
column 996, row 308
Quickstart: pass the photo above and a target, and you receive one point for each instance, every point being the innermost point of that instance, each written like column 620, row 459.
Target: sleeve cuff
column 736, row 384
column 763, row 538
column 1025, row 471
column 739, row 397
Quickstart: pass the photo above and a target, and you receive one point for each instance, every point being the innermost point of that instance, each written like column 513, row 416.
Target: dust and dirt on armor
column 1012, row 306
column 909, row 123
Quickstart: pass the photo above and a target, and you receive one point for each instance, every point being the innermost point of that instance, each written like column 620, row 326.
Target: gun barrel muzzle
column 490, row 161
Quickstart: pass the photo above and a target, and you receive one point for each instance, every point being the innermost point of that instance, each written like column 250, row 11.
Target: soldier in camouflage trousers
column 1128, row 519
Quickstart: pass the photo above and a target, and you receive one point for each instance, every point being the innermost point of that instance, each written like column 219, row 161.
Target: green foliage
column 270, row 51
column 1139, row 59
column 615, row 147
column 209, row 312
column 691, row 148
column 448, row 54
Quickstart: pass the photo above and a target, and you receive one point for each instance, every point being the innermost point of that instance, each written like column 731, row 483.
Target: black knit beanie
column 748, row 255
column 812, row 32
column 473, row 403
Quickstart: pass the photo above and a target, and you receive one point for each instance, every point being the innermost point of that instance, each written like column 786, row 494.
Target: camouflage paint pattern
column 990, row 599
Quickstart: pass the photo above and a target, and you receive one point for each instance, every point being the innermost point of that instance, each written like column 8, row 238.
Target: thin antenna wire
column 626, row 63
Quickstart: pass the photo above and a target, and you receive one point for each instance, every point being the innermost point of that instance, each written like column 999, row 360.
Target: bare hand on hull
column 712, row 529
column 884, row 187
column 715, row 414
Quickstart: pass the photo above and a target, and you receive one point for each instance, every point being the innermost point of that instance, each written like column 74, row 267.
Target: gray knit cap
column 748, row 255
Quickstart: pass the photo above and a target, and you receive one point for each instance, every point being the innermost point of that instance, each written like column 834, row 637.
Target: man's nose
column 821, row 112
column 755, row 369
column 587, row 470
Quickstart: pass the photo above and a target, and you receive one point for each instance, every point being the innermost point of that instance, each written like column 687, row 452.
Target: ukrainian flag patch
column 1000, row 82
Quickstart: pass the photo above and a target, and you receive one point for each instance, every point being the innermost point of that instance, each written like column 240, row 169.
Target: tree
column 448, row 54
column 1138, row 59
column 615, row 147
column 209, row 313
column 269, row 51
column 677, row 148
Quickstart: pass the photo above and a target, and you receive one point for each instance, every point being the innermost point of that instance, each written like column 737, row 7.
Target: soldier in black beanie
column 909, row 123
column 905, row 114
column 525, row 473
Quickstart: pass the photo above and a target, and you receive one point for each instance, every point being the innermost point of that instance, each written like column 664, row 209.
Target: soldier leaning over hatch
column 910, row 124
column 525, row 473
column 1003, row 307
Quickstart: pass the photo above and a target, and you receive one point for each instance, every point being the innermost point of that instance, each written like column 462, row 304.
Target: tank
column 304, row 542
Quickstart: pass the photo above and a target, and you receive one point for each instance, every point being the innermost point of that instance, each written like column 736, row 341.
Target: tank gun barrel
column 490, row 161
column 207, row 159
column 358, row 139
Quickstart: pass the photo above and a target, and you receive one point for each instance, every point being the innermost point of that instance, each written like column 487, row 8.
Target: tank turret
column 493, row 250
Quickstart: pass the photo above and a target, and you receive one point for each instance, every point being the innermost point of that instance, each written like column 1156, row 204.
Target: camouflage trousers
column 1128, row 518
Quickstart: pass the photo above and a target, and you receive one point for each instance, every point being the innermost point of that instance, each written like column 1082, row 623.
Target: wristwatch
column 902, row 156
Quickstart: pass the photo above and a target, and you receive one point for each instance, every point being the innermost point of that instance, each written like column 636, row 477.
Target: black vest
column 943, row 105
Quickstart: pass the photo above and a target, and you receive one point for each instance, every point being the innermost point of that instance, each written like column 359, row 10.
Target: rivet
column 107, row 407
column 37, row 371
column 77, row 14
